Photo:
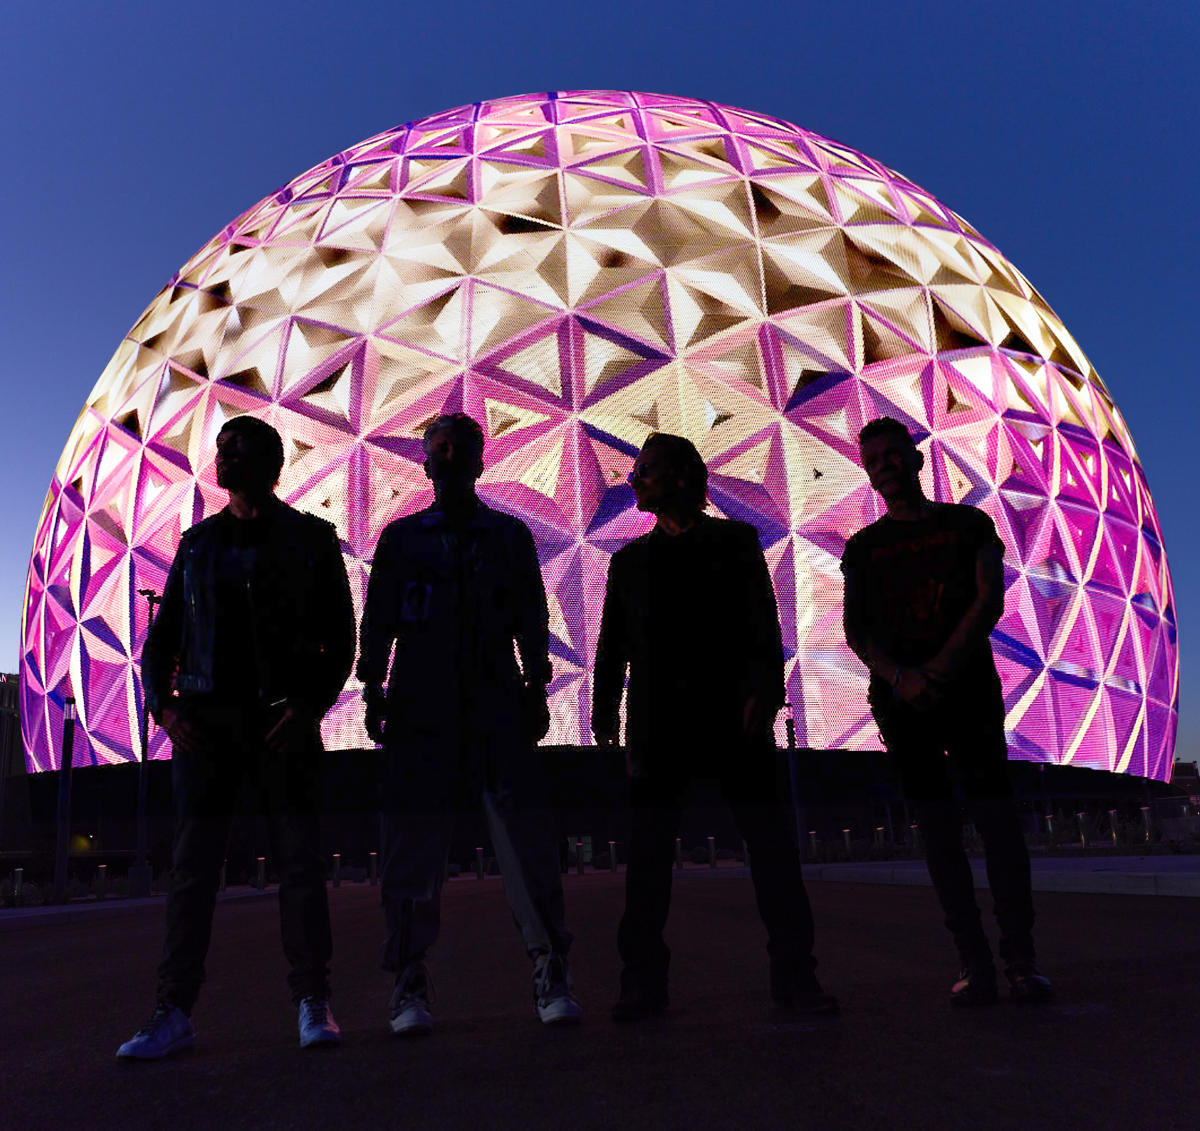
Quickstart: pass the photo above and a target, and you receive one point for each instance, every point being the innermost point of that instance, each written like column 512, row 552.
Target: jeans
column 750, row 784
column 206, row 784
column 426, row 781
column 963, row 737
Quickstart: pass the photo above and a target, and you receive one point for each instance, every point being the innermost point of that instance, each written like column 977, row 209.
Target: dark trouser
column 426, row 782
column 751, row 787
column 964, row 737
column 206, row 785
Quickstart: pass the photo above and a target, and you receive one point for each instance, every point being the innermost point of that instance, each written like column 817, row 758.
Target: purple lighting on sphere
column 576, row 271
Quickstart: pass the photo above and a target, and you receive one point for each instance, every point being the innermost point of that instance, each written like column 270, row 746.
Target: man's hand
column 376, row 713
column 915, row 688
column 293, row 732
column 185, row 736
column 757, row 718
column 537, row 712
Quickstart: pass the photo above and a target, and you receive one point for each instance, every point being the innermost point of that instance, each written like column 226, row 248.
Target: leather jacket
column 302, row 616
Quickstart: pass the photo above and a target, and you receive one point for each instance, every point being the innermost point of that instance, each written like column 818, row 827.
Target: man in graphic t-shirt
column 924, row 589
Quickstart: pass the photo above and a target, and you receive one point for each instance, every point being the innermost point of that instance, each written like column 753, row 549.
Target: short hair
column 883, row 426
column 687, row 461
column 263, row 436
column 458, row 422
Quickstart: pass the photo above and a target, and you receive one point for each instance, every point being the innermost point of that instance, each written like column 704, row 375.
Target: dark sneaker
column 1027, row 984
column 637, row 1003
column 553, row 991
column 976, row 986
column 317, row 1026
column 168, row 1030
column 799, row 990
column 408, row 1009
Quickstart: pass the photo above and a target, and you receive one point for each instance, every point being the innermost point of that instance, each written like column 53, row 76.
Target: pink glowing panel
column 577, row 270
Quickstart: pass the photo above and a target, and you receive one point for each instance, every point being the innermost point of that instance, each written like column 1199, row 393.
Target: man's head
column 669, row 475
column 890, row 458
column 453, row 446
column 249, row 455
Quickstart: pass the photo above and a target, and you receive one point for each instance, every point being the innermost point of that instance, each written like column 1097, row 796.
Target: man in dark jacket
column 924, row 588
column 690, row 611
column 253, row 643
column 452, row 588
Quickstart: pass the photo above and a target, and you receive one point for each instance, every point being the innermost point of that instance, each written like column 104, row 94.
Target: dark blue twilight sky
column 1065, row 132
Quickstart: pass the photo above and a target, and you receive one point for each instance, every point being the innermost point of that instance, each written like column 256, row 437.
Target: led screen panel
column 576, row 270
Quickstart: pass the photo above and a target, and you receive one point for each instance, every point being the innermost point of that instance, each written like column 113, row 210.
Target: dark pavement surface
column 1118, row 1049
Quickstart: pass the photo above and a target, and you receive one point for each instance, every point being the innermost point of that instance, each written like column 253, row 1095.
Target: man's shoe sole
column 420, row 1027
column 557, row 1014
column 179, row 1045
column 324, row 1041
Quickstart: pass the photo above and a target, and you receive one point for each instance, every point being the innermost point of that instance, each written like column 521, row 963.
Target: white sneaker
column 168, row 1030
column 317, row 1026
column 408, row 1008
column 553, row 996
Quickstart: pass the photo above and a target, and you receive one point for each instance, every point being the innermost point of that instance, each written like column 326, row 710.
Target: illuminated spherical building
column 577, row 270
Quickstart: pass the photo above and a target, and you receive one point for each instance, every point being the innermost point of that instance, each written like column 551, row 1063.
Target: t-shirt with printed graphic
column 916, row 579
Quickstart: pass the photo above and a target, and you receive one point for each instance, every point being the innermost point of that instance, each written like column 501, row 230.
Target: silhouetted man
column 924, row 589
column 252, row 645
column 690, row 611
column 452, row 587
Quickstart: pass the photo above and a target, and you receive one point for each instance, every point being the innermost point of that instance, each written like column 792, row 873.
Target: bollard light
column 101, row 880
column 1112, row 826
column 1081, row 821
column 879, row 834
column 812, row 842
column 373, row 869
column 678, row 853
column 261, row 874
column 18, row 879
column 712, row 852
column 479, row 862
column 1050, row 826
column 579, row 857
column 1147, row 822
column 612, row 855
column 337, row 869
column 846, row 839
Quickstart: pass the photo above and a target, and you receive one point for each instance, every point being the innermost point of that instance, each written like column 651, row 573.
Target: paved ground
column 1118, row 1050
column 1118, row 875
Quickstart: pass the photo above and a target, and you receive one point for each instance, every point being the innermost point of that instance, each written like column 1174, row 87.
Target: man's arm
column 764, row 687
column 612, row 658
column 977, row 622
column 533, row 628
column 337, row 647
column 909, row 684
column 533, row 636
column 160, row 651
column 379, row 621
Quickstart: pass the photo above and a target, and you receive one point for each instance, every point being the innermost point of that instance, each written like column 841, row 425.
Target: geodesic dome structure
column 577, row 270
